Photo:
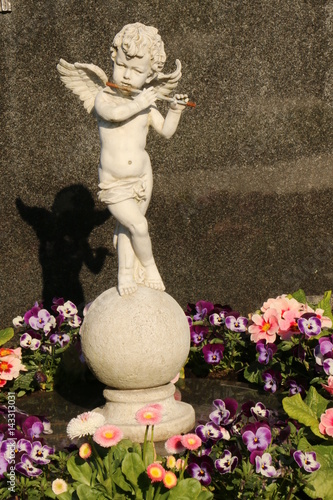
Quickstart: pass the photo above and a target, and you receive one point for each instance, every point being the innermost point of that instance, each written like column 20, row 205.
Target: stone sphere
column 135, row 341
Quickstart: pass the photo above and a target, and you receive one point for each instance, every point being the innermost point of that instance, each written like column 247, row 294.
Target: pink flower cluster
column 10, row 364
column 286, row 317
column 326, row 423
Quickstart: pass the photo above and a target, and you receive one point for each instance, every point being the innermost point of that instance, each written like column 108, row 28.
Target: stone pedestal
column 135, row 345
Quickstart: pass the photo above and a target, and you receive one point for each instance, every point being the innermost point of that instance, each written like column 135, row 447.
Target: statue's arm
column 165, row 126
column 108, row 109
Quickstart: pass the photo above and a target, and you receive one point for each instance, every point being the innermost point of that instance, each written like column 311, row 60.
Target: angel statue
column 124, row 110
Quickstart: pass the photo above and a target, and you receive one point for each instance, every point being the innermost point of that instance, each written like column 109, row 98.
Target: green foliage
column 6, row 335
column 308, row 411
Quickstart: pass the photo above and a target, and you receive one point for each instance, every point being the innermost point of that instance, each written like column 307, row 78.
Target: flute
column 160, row 97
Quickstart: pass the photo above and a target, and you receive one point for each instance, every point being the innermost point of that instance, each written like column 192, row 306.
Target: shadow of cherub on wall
column 63, row 234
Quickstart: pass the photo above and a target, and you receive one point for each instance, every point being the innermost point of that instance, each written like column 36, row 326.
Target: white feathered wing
column 84, row 80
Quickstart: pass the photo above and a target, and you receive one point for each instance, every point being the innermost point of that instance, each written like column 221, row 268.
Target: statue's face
column 131, row 71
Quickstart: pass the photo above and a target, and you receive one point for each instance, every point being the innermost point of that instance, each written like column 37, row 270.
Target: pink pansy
column 326, row 423
column 329, row 387
column 265, row 327
column 174, row 444
column 108, row 435
column 149, row 415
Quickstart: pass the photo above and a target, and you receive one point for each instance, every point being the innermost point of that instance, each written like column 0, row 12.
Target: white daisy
column 86, row 423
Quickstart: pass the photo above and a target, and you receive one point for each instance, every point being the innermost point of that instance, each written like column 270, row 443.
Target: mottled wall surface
column 241, row 208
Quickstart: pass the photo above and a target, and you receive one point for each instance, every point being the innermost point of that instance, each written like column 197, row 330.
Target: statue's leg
column 126, row 258
column 129, row 215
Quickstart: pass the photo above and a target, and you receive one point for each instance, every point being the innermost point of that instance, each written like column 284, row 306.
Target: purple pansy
column 30, row 340
column 40, row 320
column 3, row 466
column 226, row 463
column 39, row 453
column 294, row 387
column 272, row 380
column 27, row 468
column 217, row 318
column 201, row 468
column 264, row 465
column 307, row 460
column 67, row 310
column 266, row 351
column 60, row 338
column 225, row 411
column 259, row 411
column 328, row 366
column 213, row 353
column 10, row 445
column 236, row 323
column 33, row 427
column 309, row 324
column 33, row 312
column 209, row 431
column 202, row 308
column 257, row 436
column 326, row 347
column 198, row 333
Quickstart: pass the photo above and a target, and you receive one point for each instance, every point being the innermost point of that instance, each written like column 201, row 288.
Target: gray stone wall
column 241, row 208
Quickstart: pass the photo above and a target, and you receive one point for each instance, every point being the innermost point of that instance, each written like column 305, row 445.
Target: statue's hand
column 179, row 97
column 146, row 98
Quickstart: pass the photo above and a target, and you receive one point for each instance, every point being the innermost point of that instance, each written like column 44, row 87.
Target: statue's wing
column 165, row 84
column 85, row 80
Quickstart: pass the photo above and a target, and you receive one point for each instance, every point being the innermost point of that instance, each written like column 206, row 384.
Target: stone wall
column 241, row 208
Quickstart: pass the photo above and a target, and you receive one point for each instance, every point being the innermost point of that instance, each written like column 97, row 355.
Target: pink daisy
column 174, row 444
column 108, row 435
column 149, row 415
column 85, row 451
column 156, row 472
column 170, row 480
column 191, row 441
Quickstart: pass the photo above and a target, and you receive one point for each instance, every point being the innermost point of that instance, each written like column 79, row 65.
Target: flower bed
column 242, row 451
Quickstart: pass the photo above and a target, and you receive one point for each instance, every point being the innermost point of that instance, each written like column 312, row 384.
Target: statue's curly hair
column 136, row 39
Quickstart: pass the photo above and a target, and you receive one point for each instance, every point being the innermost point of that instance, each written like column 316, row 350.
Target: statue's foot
column 126, row 284
column 153, row 278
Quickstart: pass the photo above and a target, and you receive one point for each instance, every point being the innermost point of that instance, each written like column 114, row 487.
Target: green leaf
column 79, row 470
column 316, row 402
column 132, row 467
column 253, row 374
column 319, row 483
column 205, row 495
column 188, row 489
column 6, row 335
column 300, row 296
column 296, row 408
column 325, row 304
column 85, row 492
column 119, row 479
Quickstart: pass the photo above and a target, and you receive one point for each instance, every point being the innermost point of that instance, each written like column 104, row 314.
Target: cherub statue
column 125, row 109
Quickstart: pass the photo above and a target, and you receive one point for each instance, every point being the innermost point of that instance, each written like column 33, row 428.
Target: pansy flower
column 203, row 309
column 264, row 465
column 209, row 431
column 295, row 387
column 40, row 454
column 272, row 380
column 67, row 310
column 201, row 468
column 226, row 463
column 235, row 322
column 30, row 340
column 225, row 411
column 33, row 427
column 309, row 324
column 213, row 353
column 259, row 411
column 21, row 446
column 307, row 460
column 266, row 351
column 328, row 366
column 40, row 320
column 27, row 468
column 198, row 333
column 60, row 338
column 257, row 436
column 218, row 318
